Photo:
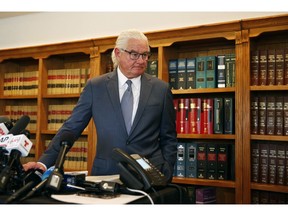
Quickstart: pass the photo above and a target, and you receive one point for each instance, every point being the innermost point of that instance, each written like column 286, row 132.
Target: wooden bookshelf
column 238, row 37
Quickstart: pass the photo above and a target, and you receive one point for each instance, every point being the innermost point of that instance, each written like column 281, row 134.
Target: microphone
column 20, row 125
column 40, row 185
column 19, row 146
column 55, row 179
column 5, row 126
column 32, row 178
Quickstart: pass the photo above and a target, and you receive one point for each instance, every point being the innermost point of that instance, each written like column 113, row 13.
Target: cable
column 142, row 192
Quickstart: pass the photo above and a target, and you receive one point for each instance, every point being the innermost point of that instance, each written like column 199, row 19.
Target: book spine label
column 254, row 115
column 222, row 161
column 280, row 164
column 271, row 67
column 255, row 162
column 279, row 67
column 218, row 116
column 195, row 116
column 272, row 161
column 262, row 115
column 264, row 154
column 254, row 68
column 182, row 76
column 221, row 71
column 212, row 161
column 173, row 74
column 270, row 130
column 279, row 115
column 191, row 160
column 211, row 72
column 201, row 160
column 263, row 67
column 229, row 127
column 191, row 73
column 200, row 72
column 180, row 161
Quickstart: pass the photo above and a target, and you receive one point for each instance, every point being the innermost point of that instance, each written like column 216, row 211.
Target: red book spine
column 181, row 115
column 186, row 117
column 207, row 114
column 195, row 116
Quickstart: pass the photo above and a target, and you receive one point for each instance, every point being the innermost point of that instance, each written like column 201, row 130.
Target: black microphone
column 32, row 178
column 20, row 125
column 55, row 179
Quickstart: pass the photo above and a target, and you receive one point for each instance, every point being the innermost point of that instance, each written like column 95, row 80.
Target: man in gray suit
column 153, row 132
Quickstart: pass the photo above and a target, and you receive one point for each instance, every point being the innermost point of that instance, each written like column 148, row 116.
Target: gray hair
column 122, row 40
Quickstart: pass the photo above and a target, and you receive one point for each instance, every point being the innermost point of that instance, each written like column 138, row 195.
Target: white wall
column 56, row 27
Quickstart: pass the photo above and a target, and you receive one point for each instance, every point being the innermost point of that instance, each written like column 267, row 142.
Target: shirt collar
column 122, row 79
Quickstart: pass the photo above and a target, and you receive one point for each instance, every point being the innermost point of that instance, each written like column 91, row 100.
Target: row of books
column 268, row 197
column 20, row 83
column 269, row 115
column 202, row 72
column 67, row 81
column 269, row 67
column 76, row 157
column 16, row 112
column 58, row 114
column 205, row 160
column 269, row 162
column 152, row 68
column 205, row 115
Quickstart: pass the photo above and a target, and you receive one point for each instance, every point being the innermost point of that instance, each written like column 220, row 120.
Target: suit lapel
column 113, row 91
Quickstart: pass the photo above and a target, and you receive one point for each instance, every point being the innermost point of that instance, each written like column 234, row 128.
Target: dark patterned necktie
column 127, row 106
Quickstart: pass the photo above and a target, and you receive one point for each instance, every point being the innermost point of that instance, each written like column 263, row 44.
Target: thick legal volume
column 181, row 116
column 152, row 68
column 229, row 119
column 264, row 154
column 182, row 73
column 201, row 160
column 280, row 163
column 262, row 114
column 263, row 66
column 222, row 161
column 211, row 72
column 272, row 162
column 173, row 74
column 207, row 116
column 218, row 116
column 201, row 72
column 285, row 115
column 271, row 74
column 195, row 116
column 191, row 73
column 279, row 67
column 212, row 160
column 191, row 160
column 271, row 119
column 221, row 71
column 279, row 115
column 254, row 68
column 254, row 115
column 180, row 161
column 255, row 162
column 286, row 67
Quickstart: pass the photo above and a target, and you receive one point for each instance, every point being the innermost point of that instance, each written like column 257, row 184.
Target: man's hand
column 34, row 165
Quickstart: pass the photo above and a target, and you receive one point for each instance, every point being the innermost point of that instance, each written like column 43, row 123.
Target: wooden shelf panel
column 204, row 182
column 203, row 90
column 270, row 187
column 206, row 136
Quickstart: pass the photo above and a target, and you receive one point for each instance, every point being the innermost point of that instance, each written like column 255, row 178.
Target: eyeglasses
column 135, row 55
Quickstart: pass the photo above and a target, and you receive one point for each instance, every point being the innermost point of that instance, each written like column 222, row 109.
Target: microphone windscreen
column 20, row 125
column 4, row 119
column 67, row 138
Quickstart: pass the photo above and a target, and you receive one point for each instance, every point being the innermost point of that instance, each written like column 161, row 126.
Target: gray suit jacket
column 153, row 133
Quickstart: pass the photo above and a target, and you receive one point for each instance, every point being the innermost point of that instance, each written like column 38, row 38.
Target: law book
column 182, row 73
column 254, row 115
column 173, row 73
column 201, row 160
column 186, row 117
column 254, row 68
column 271, row 72
column 181, row 116
column 221, row 71
column 272, row 162
column 230, row 69
column 264, row 154
column 207, row 116
column 229, row 119
column 175, row 103
column 263, row 63
column 280, row 163
column 262, row 115
column 191, row 73
column 255, row 162
column 195, row 116
column 201, row 72
column 286, row 165
column 285, row 114
column 271, row 119
column 286, row 67
column 218, row 116
column 191, row 160
column 212, row 160
column 205, row 195
column 222, row 161
column 211, row 72
column 180, row 161
column 152, row 68
column 279, row 66
column 279, row 115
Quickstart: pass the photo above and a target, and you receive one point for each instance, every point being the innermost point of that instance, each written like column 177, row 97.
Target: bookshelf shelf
column 238, row 37
column 204, row 182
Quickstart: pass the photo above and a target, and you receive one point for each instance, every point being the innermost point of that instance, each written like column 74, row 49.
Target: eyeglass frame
column 145, row 55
